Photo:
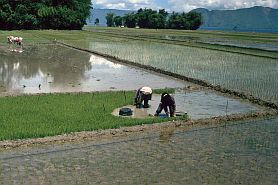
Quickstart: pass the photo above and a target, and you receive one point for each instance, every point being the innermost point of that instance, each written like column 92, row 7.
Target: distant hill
column 255, row 18
column 101, row 13
column 250, row 19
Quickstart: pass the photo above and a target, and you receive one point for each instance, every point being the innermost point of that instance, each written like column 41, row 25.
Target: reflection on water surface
column 53, row 68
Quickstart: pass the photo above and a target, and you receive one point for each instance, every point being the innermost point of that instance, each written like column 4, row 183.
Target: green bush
column 44, row 14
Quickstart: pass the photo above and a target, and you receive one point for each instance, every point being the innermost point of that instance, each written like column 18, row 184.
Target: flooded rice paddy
column 239, row 72
column 240, row 153
column 244, row 152
column 53, row 68
column 198, row 104
column 269, row 45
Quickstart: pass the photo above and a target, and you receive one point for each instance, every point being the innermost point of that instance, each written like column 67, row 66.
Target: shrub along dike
column 44, row 115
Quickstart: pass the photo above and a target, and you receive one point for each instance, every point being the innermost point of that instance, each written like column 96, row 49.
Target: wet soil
column 232, row 153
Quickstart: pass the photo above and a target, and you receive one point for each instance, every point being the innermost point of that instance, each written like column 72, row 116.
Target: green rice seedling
column 250, row 74
column 53, row 114
column 160, row 91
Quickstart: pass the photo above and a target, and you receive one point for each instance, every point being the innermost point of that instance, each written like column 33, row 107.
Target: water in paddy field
column 243, row 73
column 197, row 104
column 53, row 68
column 244, row 152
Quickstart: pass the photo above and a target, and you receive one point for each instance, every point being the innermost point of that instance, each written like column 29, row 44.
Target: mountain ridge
column 254, row 18
column 247, row 18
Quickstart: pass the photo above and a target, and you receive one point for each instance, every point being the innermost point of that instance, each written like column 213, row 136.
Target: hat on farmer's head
column 146, row 90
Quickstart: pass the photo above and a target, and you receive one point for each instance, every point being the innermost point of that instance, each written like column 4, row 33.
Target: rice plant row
column 254, row 75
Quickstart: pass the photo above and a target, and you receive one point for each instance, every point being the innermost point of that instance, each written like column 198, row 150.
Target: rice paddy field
column 246, row 40
column 48, row 115
column 244, row 72
column 235, row 152
column 241, row 153
column 253, row 75
column 252, row 71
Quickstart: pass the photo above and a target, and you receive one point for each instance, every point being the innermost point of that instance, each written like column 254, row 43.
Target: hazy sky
column 182, row 5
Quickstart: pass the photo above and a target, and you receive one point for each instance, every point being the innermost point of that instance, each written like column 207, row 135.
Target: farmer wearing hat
column 143, row 94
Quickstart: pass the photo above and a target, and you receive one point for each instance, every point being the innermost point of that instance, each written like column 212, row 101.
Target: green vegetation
column 233, row 71
column 97, row 21
column 160, row 91
column 186, row 54
column 265, row 45
column 44, row 14
column 47, row 115
column 148, row 18
column 110, row 19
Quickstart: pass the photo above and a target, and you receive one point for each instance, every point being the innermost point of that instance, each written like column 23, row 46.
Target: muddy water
column 241, row 153
column 197, row 104
column 53, row 68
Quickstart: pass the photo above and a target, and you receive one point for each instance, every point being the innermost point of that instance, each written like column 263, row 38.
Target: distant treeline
column 148, row 18
column 43, row 14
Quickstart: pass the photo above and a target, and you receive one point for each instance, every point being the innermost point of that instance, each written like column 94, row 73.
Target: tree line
column 148, row 18
column 43, row 14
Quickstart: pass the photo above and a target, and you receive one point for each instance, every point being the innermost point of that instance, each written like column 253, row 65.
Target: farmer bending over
column 143, row 94
column 167, row 101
